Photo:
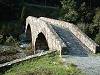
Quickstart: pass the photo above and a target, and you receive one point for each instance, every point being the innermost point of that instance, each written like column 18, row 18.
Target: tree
column 97, row 39
column 96, row 19
column 68, row 11
column 86, row 13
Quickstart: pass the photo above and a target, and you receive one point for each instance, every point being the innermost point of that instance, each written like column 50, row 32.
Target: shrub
column 10, row 28
column 11, row 41
column 97, row 39
column 85, row 13
column 7, row 50
column 68, row 12
column 73, row 70
column 96, row 18
column 8, row 53
column 1, row 39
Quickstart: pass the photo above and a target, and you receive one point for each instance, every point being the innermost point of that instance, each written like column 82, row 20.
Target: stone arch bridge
column 51, row 34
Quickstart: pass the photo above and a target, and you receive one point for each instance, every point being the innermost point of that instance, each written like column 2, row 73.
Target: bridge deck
column 78, row 53
column 75, row 47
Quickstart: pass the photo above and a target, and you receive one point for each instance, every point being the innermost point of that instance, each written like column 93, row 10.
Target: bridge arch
column 41, row 43
column 43, row 33
column 38, row 36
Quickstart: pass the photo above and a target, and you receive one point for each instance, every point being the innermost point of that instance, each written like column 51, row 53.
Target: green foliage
column 90, row 29
column 96, row 19
column 1, row 39
column 73, row 70
column 7, row 28
column 45, row 65
column 68, row 11
column 8, row 53
column 7, row 50
column 85, row 14
column 82, row 14
column 83, row 27
column 11, row 41
column 97, row 39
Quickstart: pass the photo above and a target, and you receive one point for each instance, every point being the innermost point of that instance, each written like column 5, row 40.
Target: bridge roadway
column 78, row 53
column 75, row 47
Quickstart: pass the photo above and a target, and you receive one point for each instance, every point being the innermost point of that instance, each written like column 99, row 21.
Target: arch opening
column 41, row 43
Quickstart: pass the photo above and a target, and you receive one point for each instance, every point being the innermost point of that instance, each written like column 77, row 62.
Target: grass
column 45, row 65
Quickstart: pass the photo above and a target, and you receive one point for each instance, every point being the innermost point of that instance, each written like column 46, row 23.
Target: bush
column 7, row 50
column 73, row 70
column 96, row 18
column 11, row 41
column 84, row 27
column 68, row 12
column 8, row 53
column 90, row 29
column 97, row 39
column 1, row 39
column 10, row 28
column 85, row 13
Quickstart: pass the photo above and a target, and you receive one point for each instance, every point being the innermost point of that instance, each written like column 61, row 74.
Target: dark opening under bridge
column 51, row 34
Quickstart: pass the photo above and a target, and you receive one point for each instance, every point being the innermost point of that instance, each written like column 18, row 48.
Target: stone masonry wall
column 76, row 31
column 37, row 26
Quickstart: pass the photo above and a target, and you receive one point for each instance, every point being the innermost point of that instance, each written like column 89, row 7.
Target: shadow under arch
column 41, row 43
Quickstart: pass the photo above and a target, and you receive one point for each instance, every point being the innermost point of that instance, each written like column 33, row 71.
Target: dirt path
column 89, row 65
